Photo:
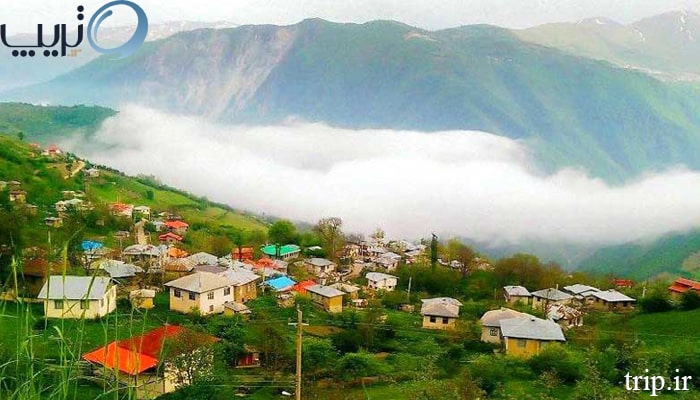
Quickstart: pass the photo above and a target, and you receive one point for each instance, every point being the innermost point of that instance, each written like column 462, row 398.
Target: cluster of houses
column 521, row 334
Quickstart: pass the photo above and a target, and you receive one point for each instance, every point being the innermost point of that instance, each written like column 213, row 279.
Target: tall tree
column 461, row 253
column 433, row 251
column 283, row 232
column 330, row 231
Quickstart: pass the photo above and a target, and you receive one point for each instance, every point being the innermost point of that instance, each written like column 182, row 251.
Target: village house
column 92, row 173
column 78, row 296
column 541, row 299
column 243, row 282
column 18, row 196
column 491, row 323
column 525, row 337
column 122, row 210
column 138, row 361
column 567, row 317
column 142, row 212
column 623, row 283
column 612, row 300
column 327, row 297
column 352, row 292
column 514, row 294
column 146, row 255
column 232, row 308
column 177, row 226
column 581, row 293
column 280, row 284
column 142, row 298
column 286, row 252
column 53, row 222
column 200, row 291
column 52, row 151
column 682, row 285
column 381, row 281
column 320, row 266
column 170, row 238
column 440, row 313
column 242, row 253
column 300, row 288
column 31, row 209
column 388, row 261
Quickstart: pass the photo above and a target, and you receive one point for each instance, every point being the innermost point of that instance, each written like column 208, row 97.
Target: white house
column 381, row 281
column 78, row 296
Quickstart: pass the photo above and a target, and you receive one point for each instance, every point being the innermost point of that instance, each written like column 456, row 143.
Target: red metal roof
column 681, row 285
column 301, row 286
column 245, row 253
column 176, row 224
column 170, row 235
column 137, row 354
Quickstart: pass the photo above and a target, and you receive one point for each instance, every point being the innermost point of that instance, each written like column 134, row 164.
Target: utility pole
column 300, row 330
column 410, row 279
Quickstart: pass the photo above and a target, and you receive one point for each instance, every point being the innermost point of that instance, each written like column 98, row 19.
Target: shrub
column 488, row 373
column 654, row 303
column 557, row 360
column 690, row 300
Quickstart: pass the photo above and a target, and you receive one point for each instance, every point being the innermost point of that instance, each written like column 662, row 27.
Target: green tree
column 690, row 300
column 283, row 232
column 462, row 253
column 190, row 358
column 331, row 233
column 20, row 136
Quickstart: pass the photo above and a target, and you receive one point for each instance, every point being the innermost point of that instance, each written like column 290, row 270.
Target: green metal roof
column 271, row 250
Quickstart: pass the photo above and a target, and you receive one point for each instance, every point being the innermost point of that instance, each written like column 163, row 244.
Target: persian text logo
column 59, row 44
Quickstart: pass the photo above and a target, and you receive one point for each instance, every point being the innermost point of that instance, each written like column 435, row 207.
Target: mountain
column 574, row 111
column 18, row 71
column 676, row 254
column 666, row 46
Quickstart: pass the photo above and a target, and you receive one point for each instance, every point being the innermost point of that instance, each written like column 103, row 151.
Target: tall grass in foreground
column 41, row 358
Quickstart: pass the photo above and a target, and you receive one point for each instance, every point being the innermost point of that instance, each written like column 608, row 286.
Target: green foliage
column 488, row 373
column 282, row 232
column 357, row 365
column 690, row 300
column 559, row 361
column 655, row 302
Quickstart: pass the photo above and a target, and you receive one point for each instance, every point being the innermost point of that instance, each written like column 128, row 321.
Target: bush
column 690, row 300
column 488, row 373
column 655, row 303
column 359, row 365
column 557, row 360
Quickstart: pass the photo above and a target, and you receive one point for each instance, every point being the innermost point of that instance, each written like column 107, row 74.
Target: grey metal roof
column 237, row 307
column 75, row 287
column 319, row 262
column 580, row 289
column 325, row 291
column 518, row 291
column 239, row 276
column 441, row 307
column 212, row 269
column 531, row 328
column 493, row 318
column 200, row 282
column 612, row 296
column 378, row 276
column 203, row 258
column 551, row 294
column 117, row 269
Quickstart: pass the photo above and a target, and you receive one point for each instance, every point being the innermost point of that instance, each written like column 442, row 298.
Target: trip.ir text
column 656, row 384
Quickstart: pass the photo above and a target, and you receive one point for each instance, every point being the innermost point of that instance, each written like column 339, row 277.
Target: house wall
column 385, row 284
column 245, row 292
column 201, row 302
column 515, row 299
column 490, row 334
column 514, row 347
column 539, row 303
column 599, row 304
column 439, row 323
column 71, row 308
column 332, row 305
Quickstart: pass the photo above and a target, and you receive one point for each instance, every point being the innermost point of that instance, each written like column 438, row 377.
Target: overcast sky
column 24, row 15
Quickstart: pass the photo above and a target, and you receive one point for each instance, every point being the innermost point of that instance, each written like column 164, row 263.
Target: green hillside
column 44, row 179
column 574, row 111
column 674, row 254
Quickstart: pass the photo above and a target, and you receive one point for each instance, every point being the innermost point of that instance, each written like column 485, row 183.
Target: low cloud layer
column 470, row 184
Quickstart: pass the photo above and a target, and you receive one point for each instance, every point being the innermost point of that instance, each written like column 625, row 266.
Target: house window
column 210, row 295
column 84, row 304
column 521, row 343
column 433, row 320
column 445, row 320
column 227, row 291
column 102, row 302
column 493, row 332
column 211, row 308
column 192, row 296
column 177, row 293
column 58, row 304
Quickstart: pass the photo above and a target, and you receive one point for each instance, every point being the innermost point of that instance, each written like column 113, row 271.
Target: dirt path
column 76, row 170
column 141, row 233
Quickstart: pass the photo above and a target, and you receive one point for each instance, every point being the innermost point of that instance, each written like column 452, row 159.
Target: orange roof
column 623, row 282
column 301, row 286
column 114, row 356
column 682, row 285
column 245, row 253
column 120, row 207
column 170, row 235
column 139, row 353
column 174, row 252
column 176, row 224
column 265, row 263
